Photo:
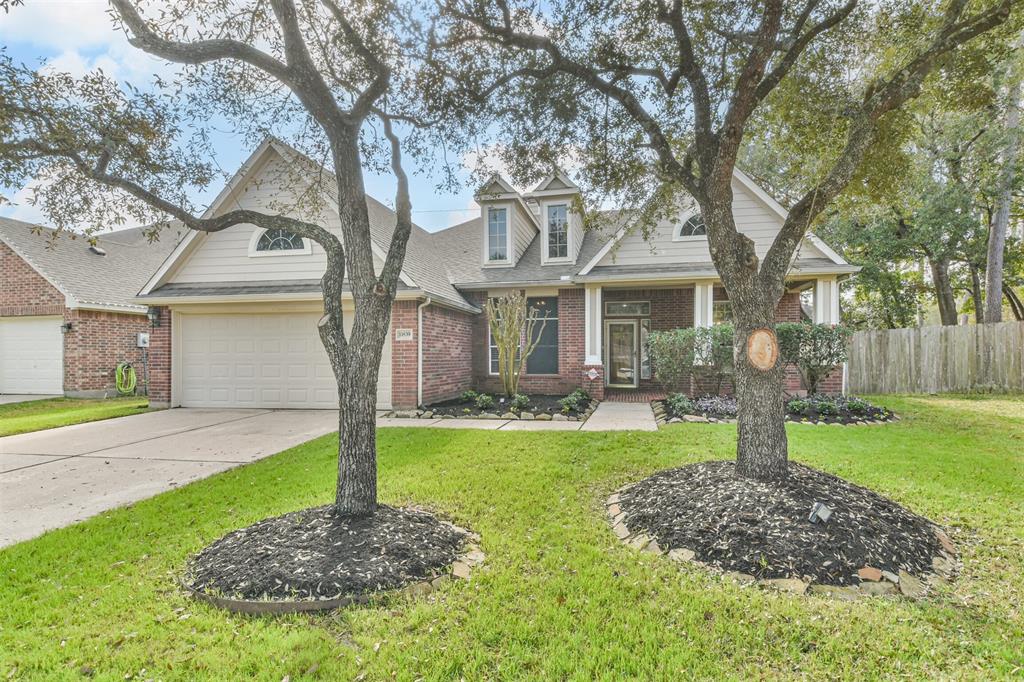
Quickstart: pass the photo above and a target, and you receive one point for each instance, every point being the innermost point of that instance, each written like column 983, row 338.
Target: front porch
column 618, row 319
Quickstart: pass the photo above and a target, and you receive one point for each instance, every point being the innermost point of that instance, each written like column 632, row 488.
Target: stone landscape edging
column 426, row 413
column 661, row 417
column 910, row 586
column 460, row 569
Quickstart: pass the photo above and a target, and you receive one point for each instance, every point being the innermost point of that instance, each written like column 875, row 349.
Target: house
column 68, row 313
column 238, row 308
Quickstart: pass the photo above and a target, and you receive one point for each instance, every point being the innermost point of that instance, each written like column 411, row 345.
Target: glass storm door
column 622, row 366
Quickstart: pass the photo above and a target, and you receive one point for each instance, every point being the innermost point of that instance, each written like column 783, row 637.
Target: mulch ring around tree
column 760, row 531
column 316, row 559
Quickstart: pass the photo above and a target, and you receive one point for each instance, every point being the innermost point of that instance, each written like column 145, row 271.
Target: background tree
column 318, row 73
column 514, row 333
column 654, row 99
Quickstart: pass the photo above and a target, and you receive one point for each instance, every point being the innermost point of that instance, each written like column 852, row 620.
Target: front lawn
column 37, row 415
column 559, row 596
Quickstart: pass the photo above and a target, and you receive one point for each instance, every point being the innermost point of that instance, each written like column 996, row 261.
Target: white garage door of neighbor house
column 262, row 360
column 31, row 355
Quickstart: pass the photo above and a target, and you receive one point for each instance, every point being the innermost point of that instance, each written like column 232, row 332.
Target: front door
column 622, row 355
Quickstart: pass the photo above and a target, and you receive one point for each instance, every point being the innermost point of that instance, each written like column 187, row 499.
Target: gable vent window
column 558, row 231
column 497, row 234
column 694, row 227
column 279, row 240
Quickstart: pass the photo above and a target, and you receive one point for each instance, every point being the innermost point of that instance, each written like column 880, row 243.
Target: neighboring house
column 68, row 313
column 239, row 308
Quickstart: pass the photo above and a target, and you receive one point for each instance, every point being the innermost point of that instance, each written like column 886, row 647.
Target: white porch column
column 826, row 300
column 703, row 305
column 593, row 324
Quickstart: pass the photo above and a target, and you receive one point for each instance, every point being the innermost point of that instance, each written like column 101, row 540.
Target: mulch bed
column 762, row 529
column 539, row 404
column 818, row 409
column 315, row 554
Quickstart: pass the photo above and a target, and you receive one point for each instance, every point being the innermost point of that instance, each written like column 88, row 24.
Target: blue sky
column 77, row 36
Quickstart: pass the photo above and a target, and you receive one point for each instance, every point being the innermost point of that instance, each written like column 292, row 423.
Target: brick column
column 404, row 355
column 159, row 361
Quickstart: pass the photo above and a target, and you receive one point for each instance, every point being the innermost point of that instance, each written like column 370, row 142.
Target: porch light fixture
column 65, row 328
column 819, row 512
column 154, row 316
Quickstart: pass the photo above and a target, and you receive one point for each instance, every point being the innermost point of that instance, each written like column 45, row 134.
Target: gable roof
column 86, row 279
column 422, row 268
column 758, row 192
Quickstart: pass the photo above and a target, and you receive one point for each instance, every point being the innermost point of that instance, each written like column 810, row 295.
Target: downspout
column 419, row 350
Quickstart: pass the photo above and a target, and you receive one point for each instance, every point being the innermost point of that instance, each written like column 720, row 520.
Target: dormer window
column 497, row 235
column 693, row 227
column 558, row 231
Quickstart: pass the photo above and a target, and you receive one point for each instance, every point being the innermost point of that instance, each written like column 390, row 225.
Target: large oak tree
column 654, row 97
column 328, row 75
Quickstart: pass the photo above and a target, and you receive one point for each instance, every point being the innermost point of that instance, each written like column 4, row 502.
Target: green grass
column 37, row 415
column 559, row 597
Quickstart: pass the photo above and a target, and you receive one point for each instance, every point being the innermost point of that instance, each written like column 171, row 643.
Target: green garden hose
column 124, row 378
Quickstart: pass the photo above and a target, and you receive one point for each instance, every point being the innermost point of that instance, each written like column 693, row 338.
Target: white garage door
column 31, row 355
column 261, row 360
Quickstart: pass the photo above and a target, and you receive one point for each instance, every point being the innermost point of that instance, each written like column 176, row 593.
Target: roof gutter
column 419, row 350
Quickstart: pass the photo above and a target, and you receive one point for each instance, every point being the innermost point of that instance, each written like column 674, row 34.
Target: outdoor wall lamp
column 65, row 328
column 154, row 316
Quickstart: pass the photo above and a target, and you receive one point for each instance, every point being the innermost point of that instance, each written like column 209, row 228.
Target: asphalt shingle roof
column 112, row 280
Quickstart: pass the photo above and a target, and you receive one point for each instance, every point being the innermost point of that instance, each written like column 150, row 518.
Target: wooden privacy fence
column 938, row 359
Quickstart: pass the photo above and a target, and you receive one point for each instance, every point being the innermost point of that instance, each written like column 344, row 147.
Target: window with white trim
column 544, row 313
column 693, row 227
column 627, row 308
column 721, row 312
column 558, row 231
column 497, row 234
column 492, row 353
column 279, row 240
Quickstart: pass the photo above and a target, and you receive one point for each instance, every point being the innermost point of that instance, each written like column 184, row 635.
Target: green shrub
column 826, row 407
column 519, row 401
column 468, row 396
column 484, row 402
column 857, row 405
column 678, row 403
column 814, row 348
column 672, row 356
column 798, row 406
column 577, row 400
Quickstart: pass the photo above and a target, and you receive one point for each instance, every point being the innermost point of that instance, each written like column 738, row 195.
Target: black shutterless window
column 544, row 358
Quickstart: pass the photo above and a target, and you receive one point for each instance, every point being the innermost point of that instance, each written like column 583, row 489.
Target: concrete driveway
column 50, row 479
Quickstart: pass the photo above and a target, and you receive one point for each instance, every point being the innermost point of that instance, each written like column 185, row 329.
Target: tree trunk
column 1016, row 305
column 997, row 233
column 943, row 291
column 356, row 492
column 762, row 451
column 979, row 311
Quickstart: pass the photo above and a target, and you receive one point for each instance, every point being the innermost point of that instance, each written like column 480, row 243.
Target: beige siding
column 576, row 230
column 224, row 256
column 752, row 217
column 523, row 231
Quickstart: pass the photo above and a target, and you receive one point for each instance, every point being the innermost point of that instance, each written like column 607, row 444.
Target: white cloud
column 59, row 25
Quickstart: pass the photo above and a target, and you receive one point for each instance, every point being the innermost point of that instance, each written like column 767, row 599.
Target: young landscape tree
column 515, row 334
column 654, row 98
column 329, row 74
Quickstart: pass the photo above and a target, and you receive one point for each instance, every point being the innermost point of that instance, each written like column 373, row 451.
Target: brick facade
column 96, row 340
column 160, row 361
column 25, row 291
column 404, row 355
column 447, row 353
column 670, row 309
column 95, row 344
column 571, row 351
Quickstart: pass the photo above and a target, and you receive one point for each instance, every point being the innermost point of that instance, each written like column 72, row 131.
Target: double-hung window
column 497, row 234
column 544, row 313
column 558, row 231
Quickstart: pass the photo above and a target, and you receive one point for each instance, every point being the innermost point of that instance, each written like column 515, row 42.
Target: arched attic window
column 693, row 227
column 279, row 240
